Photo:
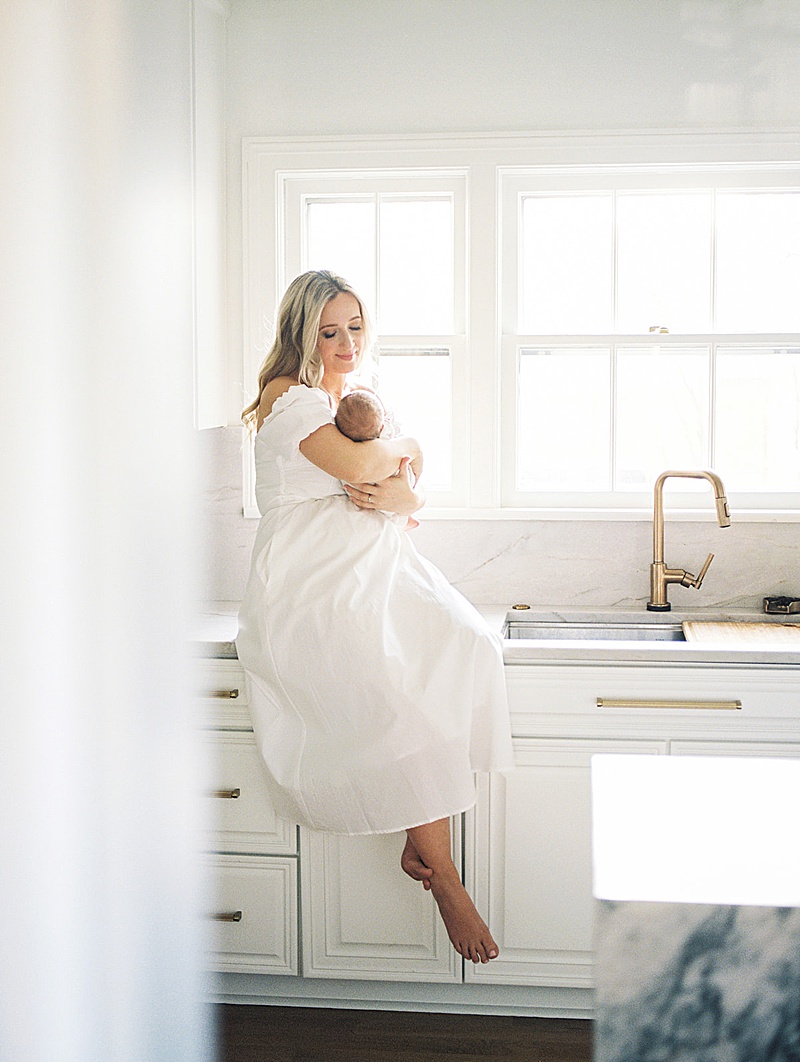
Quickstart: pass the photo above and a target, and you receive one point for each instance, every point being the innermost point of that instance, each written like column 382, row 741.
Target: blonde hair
column 294, row 349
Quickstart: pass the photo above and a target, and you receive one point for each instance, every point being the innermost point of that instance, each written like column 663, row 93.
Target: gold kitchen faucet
column 660, row 575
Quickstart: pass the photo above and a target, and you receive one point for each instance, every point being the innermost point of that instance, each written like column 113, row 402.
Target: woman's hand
column 397, row 494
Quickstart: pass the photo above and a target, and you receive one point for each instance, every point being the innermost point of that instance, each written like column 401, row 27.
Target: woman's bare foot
column 413, row 865
column 468, row 932
column 427, row 858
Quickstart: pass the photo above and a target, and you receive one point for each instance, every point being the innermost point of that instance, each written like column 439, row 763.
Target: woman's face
column 341, row 335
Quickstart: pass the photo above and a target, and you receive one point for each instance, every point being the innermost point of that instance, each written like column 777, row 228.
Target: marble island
column 698, row 909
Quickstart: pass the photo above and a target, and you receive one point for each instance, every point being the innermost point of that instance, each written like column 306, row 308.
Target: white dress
column 376, row 689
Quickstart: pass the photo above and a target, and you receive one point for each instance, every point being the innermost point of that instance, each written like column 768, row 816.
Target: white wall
column 350, row 67
column 311, row 67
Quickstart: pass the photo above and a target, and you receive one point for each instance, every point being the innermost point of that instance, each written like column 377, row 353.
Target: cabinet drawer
column 748, row 749
column 254, row 914
column 223, row 695
column 546, row 700
column 242, row 816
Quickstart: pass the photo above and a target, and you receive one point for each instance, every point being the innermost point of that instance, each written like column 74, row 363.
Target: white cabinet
column 530, row 865
column 528, row 852
column 364, row 918
column 758, row 749
column 252, row 851
column 339, row 909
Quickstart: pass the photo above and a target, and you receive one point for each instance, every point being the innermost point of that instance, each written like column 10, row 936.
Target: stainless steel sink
column 591, row 630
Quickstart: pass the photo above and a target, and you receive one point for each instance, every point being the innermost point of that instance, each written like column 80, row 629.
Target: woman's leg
column 468, row 932
column 413, row 865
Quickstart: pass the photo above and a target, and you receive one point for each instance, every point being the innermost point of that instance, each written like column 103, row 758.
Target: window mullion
column 712, row 404
column 614, row 266
column 713, row 277
column 377, row 199
column 612, row 435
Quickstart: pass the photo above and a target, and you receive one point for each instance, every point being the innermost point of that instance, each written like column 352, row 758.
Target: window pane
column 340, row 237
column 415, row 386
column 564, row 419
column 664, row 262
column 758, row 419
column 566, row 265
column 416, row 267
column 675, row 435
column 758, row 262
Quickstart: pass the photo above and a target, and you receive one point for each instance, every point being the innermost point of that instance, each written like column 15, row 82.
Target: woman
column 376, row 689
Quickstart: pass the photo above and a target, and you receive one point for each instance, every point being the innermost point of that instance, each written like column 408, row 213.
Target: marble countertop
column 216, row 630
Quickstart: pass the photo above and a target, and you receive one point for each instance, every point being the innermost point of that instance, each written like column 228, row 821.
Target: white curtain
column 100, row 893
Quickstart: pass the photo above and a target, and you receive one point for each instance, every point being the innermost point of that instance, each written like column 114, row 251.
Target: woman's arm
column 357, row 462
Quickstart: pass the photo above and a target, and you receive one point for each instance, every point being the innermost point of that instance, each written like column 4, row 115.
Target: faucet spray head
column 723, row 510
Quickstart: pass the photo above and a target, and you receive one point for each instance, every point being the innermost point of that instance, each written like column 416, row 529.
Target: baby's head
column 360, row 416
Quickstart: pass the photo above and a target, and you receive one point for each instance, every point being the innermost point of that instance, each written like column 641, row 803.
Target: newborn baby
column 361, row 417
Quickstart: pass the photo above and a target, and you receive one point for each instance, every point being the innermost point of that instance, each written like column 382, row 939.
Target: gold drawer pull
column 230, row 916
column 226, row 694
column 227, row 794
column 610, row 702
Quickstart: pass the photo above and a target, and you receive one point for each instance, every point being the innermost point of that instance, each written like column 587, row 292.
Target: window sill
column 605, row 516
column 750, row 516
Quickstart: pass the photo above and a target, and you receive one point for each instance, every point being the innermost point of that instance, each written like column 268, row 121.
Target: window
column 651, row 321
column 400, row 240
column 557, row 335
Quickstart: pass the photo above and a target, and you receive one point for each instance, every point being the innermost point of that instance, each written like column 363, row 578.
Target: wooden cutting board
column 763, row 633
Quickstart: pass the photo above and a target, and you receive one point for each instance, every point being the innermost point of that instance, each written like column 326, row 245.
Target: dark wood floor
column 297, row 1034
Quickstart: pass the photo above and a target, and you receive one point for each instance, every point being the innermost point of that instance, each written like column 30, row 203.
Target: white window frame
column 518, row 182
column 294, row 191
column 484, row 382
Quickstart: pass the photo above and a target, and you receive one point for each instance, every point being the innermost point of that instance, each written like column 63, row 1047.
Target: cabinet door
column 529, row 862
column 364, row 918
column 254, row 914
column 242, row 818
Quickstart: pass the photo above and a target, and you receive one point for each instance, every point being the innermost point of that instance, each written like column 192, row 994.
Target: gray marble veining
column 697, row 983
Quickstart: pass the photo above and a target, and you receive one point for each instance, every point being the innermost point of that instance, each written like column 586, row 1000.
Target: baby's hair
column 360, row 416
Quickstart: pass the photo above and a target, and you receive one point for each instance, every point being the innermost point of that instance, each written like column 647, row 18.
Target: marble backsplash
column 561, row 563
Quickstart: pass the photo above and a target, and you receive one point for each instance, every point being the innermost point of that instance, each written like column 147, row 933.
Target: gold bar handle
column 227, row 794
column 698, row 582
column 611, row 702
column 226, row 694
column 227, row 916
